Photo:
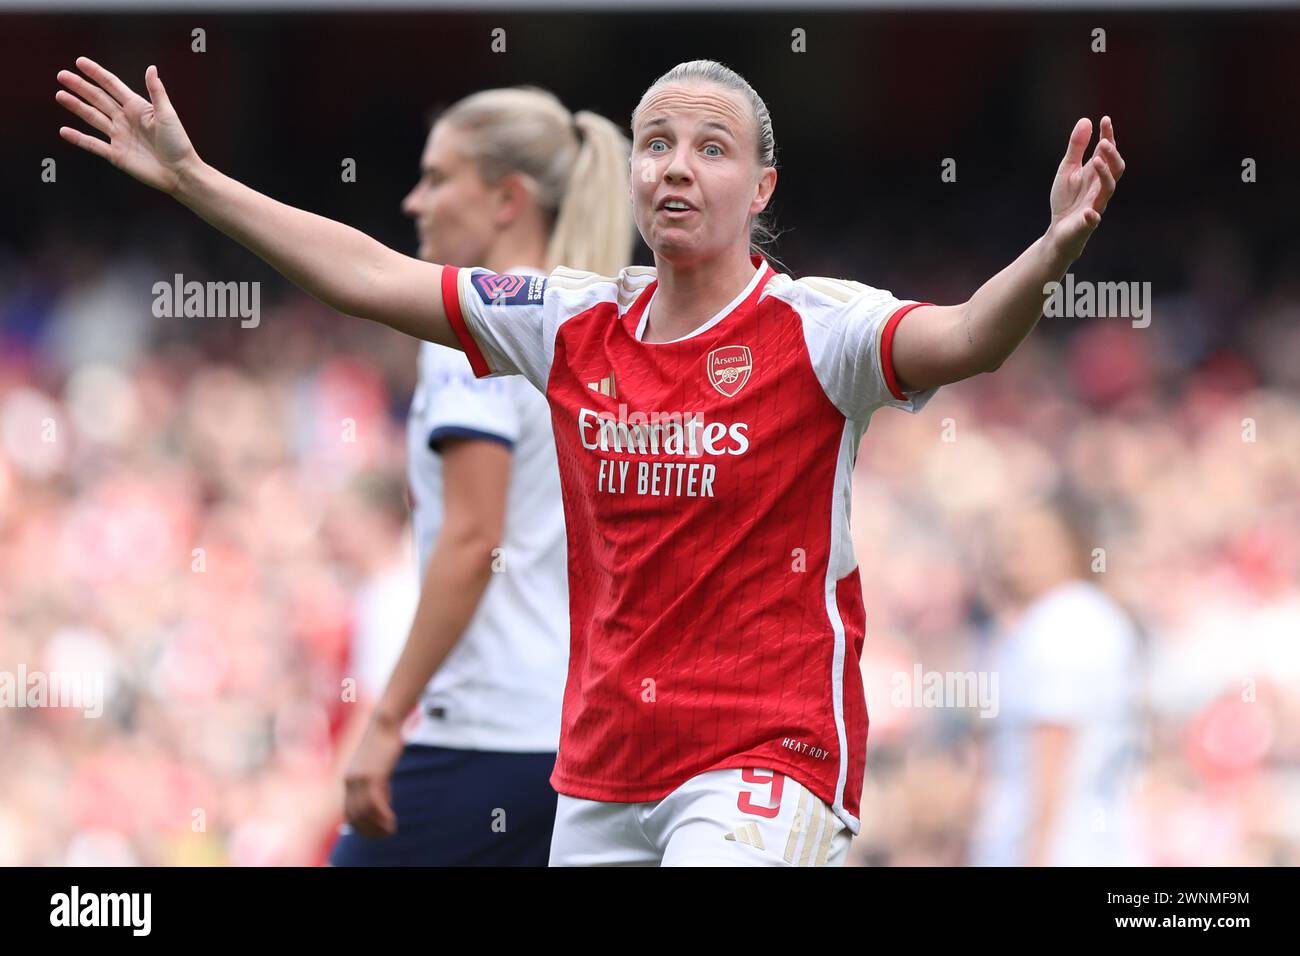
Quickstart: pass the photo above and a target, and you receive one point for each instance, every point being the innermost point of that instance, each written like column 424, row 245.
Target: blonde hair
column 577, row 164
column 761, row 233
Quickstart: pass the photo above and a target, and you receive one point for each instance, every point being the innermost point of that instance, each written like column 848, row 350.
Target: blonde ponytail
column 594, row 230
column 578, row 164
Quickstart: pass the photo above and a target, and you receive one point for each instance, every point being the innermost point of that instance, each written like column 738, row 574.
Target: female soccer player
column 511, row 180
column 707, row 414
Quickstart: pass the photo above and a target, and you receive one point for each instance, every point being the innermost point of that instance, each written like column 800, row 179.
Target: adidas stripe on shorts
column 730, row 817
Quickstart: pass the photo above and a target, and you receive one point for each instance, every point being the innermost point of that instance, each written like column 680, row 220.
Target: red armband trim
column 451, row 306
column 887, row 349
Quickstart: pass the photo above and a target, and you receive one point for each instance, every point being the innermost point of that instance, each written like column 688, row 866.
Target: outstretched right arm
column 341, row 266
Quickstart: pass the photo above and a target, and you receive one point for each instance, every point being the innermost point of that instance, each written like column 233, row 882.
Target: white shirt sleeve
column 454, row 403
column 849, row 328
column 502, row 321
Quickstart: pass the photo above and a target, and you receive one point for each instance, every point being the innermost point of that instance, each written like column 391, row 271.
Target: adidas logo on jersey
column 605, row 386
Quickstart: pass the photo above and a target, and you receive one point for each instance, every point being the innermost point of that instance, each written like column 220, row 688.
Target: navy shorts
column 462, row 808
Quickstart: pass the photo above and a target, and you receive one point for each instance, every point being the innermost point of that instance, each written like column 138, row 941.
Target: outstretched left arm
column 938, row 344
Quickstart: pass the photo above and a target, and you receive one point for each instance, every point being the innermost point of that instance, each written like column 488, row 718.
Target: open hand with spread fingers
column 145, row 137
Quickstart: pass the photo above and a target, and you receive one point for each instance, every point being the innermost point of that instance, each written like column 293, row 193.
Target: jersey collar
column 638, row 315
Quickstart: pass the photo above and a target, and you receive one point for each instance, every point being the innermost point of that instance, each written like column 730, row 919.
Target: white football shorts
column 728, row 817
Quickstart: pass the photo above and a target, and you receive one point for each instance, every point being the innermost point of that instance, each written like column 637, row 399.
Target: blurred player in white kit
column 1059, row 757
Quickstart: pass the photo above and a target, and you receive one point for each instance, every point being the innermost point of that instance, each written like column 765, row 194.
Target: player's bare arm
column 935, row 345
column 1051, row 745
column 341, row 266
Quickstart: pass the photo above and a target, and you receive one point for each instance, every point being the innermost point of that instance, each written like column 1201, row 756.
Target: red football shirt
column 715, row 606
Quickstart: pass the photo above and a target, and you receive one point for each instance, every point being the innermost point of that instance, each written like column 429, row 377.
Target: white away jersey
column 501, row 687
